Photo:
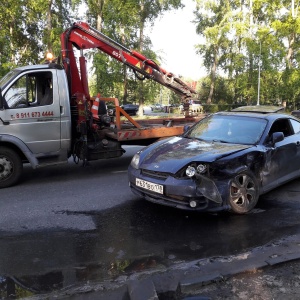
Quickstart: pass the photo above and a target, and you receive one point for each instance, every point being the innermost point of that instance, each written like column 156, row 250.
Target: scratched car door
column 33, row 118
column 283, row 160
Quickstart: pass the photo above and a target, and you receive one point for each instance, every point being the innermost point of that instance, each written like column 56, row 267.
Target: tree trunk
column 213, row 76
column 11, row 30
column 290, row 51
column 49, row 26
column 100, row 14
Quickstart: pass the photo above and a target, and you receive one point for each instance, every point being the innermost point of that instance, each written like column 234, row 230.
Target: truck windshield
column 6, row 78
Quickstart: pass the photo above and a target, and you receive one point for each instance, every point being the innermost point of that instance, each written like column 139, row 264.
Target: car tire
column 10, row 167
column 243, row 193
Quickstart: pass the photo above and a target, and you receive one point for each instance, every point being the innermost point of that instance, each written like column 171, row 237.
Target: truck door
column 33, row 111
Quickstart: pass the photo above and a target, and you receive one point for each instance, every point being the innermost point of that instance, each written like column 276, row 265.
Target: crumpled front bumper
column 179, row 192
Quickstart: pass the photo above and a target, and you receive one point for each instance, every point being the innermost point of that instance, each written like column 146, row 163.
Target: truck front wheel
column 10, row 167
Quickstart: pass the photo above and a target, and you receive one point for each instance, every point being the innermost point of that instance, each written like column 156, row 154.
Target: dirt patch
column 279, row 282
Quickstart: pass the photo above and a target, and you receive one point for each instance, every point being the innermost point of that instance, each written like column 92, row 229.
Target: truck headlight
column 135, row 161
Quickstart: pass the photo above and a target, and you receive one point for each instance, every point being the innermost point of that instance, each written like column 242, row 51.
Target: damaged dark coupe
column 224, row 162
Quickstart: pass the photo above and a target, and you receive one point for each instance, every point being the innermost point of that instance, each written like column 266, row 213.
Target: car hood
column 174, row 153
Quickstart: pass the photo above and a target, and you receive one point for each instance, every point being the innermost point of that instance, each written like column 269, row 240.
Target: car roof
column 263, row 109
column 260, row 114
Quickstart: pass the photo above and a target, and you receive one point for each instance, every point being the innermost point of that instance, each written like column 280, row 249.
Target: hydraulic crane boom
column 48, row 116
column 82, row 36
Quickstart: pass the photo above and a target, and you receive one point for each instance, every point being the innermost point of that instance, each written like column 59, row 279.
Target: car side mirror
column 277, row 137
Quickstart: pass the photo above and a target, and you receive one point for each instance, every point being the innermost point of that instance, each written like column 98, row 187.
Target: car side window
column 296, row 126
column 281, row 125
column 32, row 89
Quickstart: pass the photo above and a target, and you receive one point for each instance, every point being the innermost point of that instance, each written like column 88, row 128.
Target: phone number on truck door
column 33, row 114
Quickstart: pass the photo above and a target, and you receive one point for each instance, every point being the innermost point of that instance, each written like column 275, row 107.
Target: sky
column 174, row 38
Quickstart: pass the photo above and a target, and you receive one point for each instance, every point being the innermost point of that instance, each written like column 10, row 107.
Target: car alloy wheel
column 243, row 194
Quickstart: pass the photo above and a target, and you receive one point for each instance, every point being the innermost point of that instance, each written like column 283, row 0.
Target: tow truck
column 47, row 114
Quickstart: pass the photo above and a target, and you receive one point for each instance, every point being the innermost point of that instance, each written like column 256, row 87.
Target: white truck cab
column 35, row 122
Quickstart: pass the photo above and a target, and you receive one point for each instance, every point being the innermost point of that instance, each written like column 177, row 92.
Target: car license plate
column 157, row 188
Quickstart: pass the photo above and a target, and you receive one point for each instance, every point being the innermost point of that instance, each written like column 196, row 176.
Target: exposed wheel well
column 16, row 149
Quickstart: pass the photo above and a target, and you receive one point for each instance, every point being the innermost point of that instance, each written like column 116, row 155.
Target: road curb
column 183, row 279
column 221, row 268
column 143, row 289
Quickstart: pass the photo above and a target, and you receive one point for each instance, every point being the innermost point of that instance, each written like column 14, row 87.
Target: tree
column 29, row 28
column 214, row 19
column 130, row 32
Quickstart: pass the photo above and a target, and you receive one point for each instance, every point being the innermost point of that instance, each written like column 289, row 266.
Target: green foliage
column 210, row 108
column 28, row 29
column 248, row 44
column 128, row 31
column 242, row 46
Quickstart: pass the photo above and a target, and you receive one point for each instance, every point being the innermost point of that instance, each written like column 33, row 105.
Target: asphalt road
column 44, row 195
column 65, row 225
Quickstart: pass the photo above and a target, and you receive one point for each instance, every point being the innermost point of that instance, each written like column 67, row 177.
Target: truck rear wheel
column 10, row 167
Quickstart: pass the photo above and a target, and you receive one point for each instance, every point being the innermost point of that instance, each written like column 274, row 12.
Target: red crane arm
column 82, row 36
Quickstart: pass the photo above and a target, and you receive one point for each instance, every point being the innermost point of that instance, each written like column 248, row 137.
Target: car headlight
column 190, row 171
column 135, row 161
column 201, row 168
column 195, row 168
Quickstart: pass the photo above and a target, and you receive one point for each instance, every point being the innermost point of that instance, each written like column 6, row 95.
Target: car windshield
column 229, row 129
